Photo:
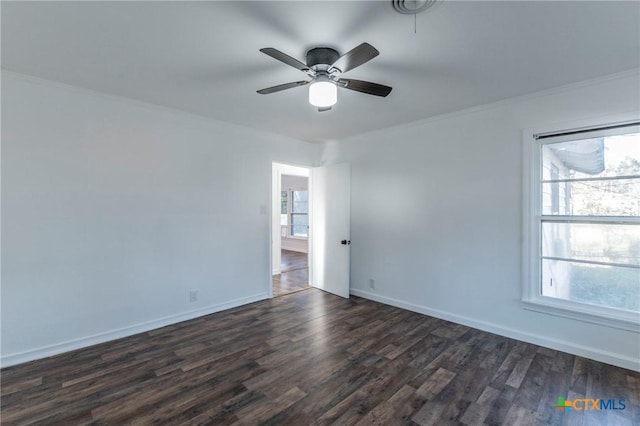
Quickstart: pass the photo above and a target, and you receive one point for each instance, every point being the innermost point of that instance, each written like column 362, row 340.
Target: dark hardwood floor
column 293, row 260
column 294, row 274
column 313, row 358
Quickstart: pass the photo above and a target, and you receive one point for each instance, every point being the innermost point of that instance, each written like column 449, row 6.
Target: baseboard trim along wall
column 58, row 348
column 598, row 355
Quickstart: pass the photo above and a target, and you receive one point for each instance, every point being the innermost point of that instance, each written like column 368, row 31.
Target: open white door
column 330, row 239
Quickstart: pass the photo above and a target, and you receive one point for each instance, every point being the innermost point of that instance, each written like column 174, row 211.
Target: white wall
column 436, row 216
column 294, row 182
column 113, row 210
column 299, row 183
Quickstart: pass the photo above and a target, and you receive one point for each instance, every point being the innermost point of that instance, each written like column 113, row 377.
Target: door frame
column 279, row 168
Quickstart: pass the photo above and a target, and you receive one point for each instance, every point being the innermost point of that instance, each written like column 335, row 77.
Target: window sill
column 294, row 237
column 591, row 314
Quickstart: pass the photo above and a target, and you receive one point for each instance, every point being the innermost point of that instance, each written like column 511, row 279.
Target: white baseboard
column 70, row 345
column 583, row 351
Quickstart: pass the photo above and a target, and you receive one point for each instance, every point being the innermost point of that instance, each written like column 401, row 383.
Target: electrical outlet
column 372, row 283
column 193, row 296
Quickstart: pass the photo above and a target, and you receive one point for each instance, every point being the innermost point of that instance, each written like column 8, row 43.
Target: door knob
column 345, row 242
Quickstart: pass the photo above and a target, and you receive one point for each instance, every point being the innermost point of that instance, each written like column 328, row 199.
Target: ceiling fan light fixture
column 323, row 94
column 325, row 68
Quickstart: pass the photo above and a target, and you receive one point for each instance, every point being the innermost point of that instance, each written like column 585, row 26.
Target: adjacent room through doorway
column 293, row 231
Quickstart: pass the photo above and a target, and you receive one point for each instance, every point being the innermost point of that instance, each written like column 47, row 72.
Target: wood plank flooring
column 295, row 273
column 313, row 358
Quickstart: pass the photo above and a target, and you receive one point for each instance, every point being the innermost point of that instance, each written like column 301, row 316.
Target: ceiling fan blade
column 365, row 87
column 355, row 57
column 283, row 57
column 280, row 87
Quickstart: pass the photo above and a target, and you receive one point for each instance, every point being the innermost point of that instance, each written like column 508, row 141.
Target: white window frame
column 532, row 298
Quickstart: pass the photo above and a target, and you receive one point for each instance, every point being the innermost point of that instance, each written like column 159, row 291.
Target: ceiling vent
column 412, row 7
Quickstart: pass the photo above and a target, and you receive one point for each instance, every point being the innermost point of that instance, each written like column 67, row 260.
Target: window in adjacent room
column 300, row 213
column 583, row 214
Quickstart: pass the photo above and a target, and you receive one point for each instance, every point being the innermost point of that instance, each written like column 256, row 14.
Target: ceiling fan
column 325, row 67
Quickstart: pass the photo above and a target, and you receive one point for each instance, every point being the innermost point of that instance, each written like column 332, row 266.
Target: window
column 582, row 211
column 300, row 213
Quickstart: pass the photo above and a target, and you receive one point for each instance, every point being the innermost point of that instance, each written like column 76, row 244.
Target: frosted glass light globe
column 323, row 94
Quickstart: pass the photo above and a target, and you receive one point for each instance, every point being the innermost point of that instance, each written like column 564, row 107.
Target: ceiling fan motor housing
column 321, row 56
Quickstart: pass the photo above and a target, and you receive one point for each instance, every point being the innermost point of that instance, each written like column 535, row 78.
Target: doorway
column 290, row 269
column 327, row 222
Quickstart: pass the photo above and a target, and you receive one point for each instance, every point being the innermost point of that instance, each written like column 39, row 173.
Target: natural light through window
column 585, row 221
column 300, row 213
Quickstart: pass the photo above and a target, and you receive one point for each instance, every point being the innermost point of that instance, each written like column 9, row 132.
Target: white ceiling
column 203, row 57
